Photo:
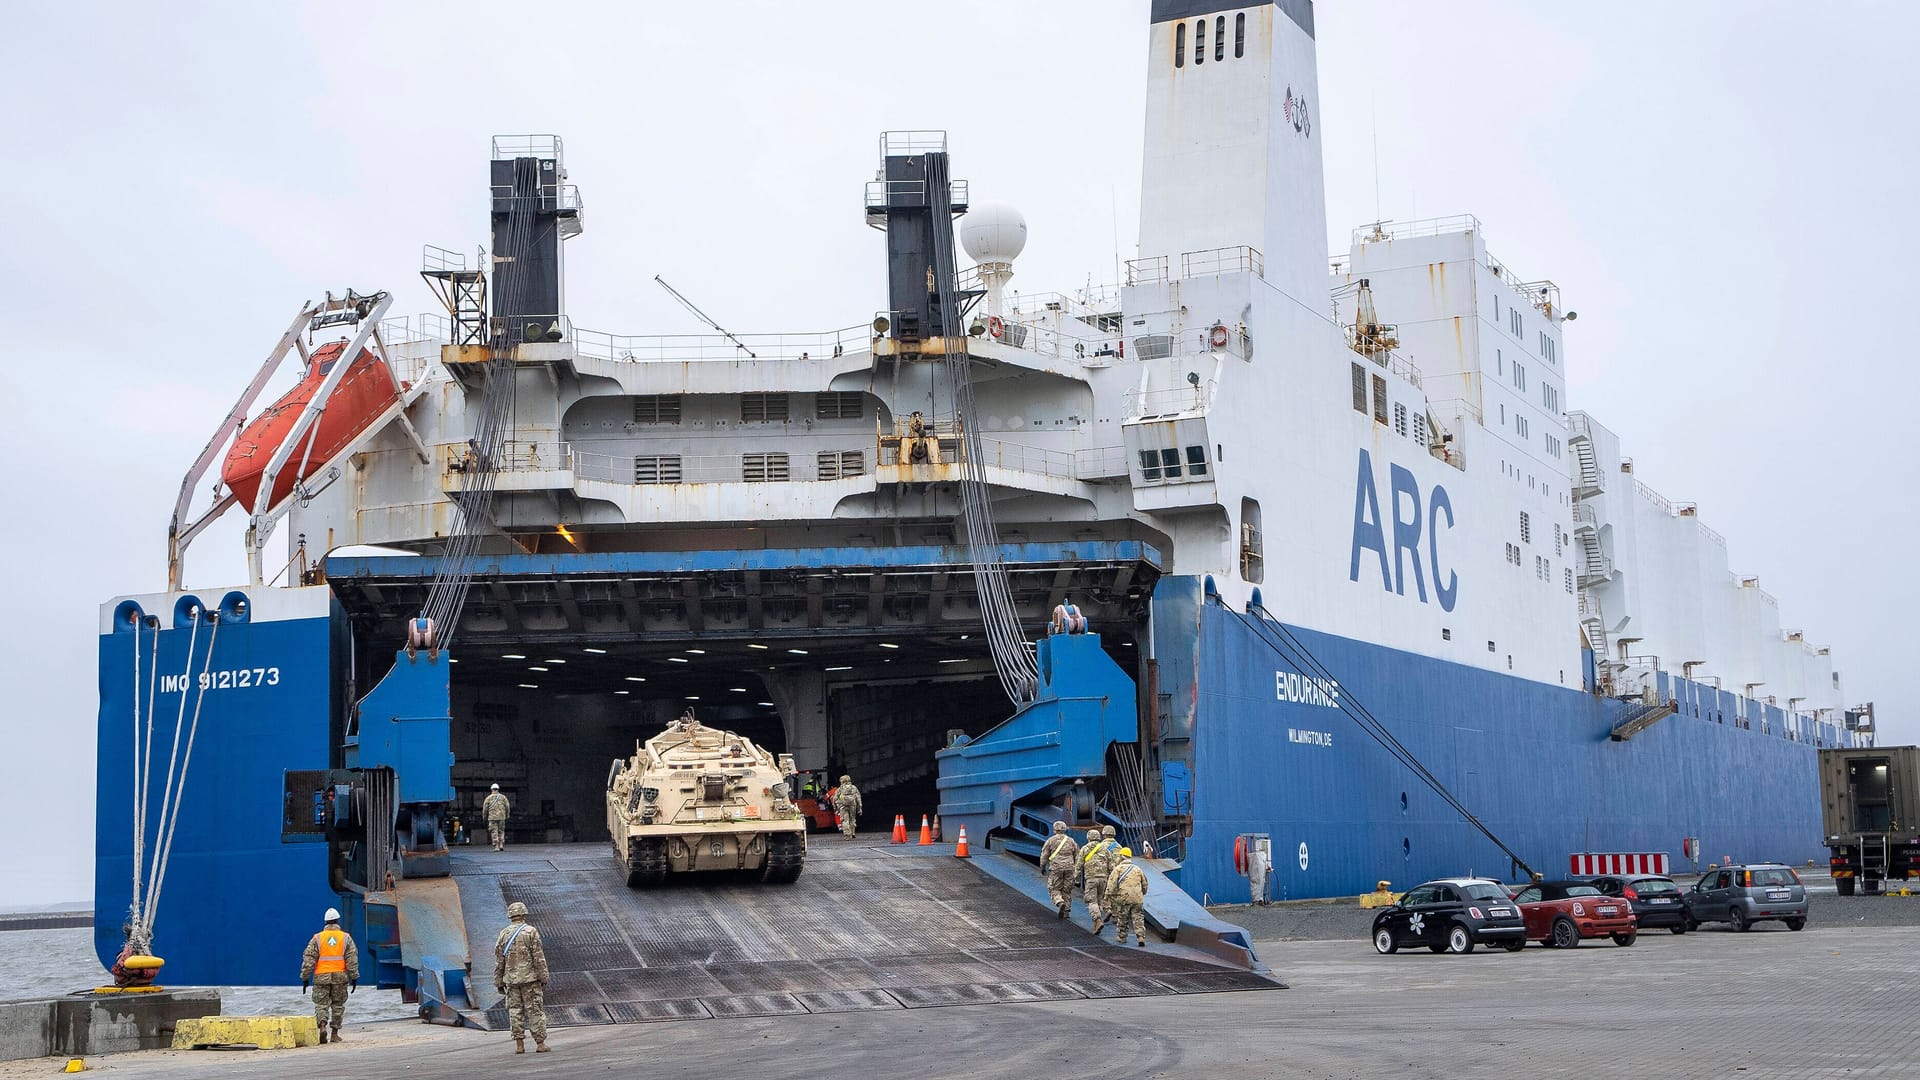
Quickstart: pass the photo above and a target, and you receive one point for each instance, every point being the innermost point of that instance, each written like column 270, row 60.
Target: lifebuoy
column 1240, row 854
column 1219, row 336
column 995, row 326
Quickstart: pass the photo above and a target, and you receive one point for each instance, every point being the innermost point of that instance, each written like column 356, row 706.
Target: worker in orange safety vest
column 332, row 965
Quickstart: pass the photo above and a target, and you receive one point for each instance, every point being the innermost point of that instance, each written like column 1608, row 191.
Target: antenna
column 703, row 316
column 1373, row 117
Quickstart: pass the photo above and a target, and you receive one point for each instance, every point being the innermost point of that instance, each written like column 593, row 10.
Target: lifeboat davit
column 367, row 390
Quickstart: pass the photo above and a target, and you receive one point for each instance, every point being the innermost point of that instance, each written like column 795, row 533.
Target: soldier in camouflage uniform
column 846, row 803
column 1126, row 891
column 495, row 808
column 332, row 963
column 1097, row 861
column 520, row 973
column 1059, row 857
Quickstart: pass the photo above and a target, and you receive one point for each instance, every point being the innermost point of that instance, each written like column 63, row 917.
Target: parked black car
column 1656, row 900
column 1451, row 915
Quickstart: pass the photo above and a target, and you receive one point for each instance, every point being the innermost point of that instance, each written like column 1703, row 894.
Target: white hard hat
column 333, row 915
column 496, row 787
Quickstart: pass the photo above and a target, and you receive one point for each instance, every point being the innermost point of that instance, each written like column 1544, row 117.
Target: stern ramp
column 868, row 926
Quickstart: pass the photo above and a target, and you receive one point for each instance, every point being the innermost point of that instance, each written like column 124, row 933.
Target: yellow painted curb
column 265, row 1032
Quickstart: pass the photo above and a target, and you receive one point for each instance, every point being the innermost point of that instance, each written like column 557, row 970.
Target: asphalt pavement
column 1837, row 999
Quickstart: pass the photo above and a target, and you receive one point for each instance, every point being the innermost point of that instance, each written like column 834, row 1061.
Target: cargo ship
column 1244, row 551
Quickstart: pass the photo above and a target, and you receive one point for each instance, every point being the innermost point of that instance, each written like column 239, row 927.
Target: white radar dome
column 993, row 233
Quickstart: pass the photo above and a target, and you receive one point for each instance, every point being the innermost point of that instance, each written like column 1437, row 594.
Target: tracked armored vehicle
column 695, row 798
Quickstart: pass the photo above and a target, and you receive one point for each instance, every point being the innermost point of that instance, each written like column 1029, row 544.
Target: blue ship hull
column 236, row 905
column 1535, row 762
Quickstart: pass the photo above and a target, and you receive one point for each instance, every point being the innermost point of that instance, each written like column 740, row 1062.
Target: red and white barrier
column 1588, row 863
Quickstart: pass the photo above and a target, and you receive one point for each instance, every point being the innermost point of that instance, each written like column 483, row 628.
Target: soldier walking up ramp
column 868, row 926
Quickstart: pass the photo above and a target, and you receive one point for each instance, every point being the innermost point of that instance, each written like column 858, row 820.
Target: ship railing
column 1579, row 426
column 413, row 345
column 1100, row 463
column 1150, row 271
column 1210, row 262
column 1654, row 497
column 682, row 348
column 883, row 195
column 509, row 147
column 1393, row 362
column 1584, row 514
column 900, row 143
column 1043, row 340
column 1403, row 230
column 1173, row 399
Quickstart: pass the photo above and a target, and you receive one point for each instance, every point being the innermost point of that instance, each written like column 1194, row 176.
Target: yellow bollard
column 75, row 1065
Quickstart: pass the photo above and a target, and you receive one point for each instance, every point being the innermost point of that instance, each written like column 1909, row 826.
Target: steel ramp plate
column 868, row 926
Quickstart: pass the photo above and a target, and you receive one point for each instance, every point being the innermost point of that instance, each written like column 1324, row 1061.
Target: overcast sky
column 1722, row 191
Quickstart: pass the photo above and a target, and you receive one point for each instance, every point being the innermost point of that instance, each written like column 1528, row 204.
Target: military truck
column 695, row 798
column 1870, row 805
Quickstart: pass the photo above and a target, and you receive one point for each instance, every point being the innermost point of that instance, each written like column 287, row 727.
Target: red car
column 1560, row 913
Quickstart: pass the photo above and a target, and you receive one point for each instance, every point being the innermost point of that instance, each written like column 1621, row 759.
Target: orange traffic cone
column 926, row 831
column 936, row 828
column 899, row 828
column 960, row 850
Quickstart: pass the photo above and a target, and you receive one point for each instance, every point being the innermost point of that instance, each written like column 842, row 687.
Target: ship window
column 1520, row 429
column 770, row 408
column 1199, row 41
column 1359, row 389
column 1240, row 35
column 1380, row 399
column 1519, row 377
column 1446, row 633
column 1526, row 528
column 763, row 468
column 840, row 464
column 1170, row 463
column 656, row 409
column 1420, row 429
column 1569, row 579
column 1400, row 419
column 1150, row 459
column 1196, row 461
column 1490, row 647
column 1180, row 45
column 1499, row 362
column 656, row 469
column 839, row 405
column 1153, row 347
column 1220, row 38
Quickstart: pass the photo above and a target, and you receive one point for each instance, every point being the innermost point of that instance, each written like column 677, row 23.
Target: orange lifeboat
column 366, row 391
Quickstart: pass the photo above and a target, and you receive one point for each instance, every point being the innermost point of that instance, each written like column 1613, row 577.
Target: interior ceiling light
column 512, row 656
column 738, row 689
column 766, row 704
column 536, row 669
column 623, row 691
column 553, row 661
column 842, row 667
column 529, row 686
column 798, row 652
column 596, row 652
column 636, row 678
column 756, row 645
column 959, row 661
column 678, row 660
column 698, row 652
column 693, row 697
column 888, row 645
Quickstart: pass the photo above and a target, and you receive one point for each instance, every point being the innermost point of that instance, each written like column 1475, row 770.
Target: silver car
column 1744, row 895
